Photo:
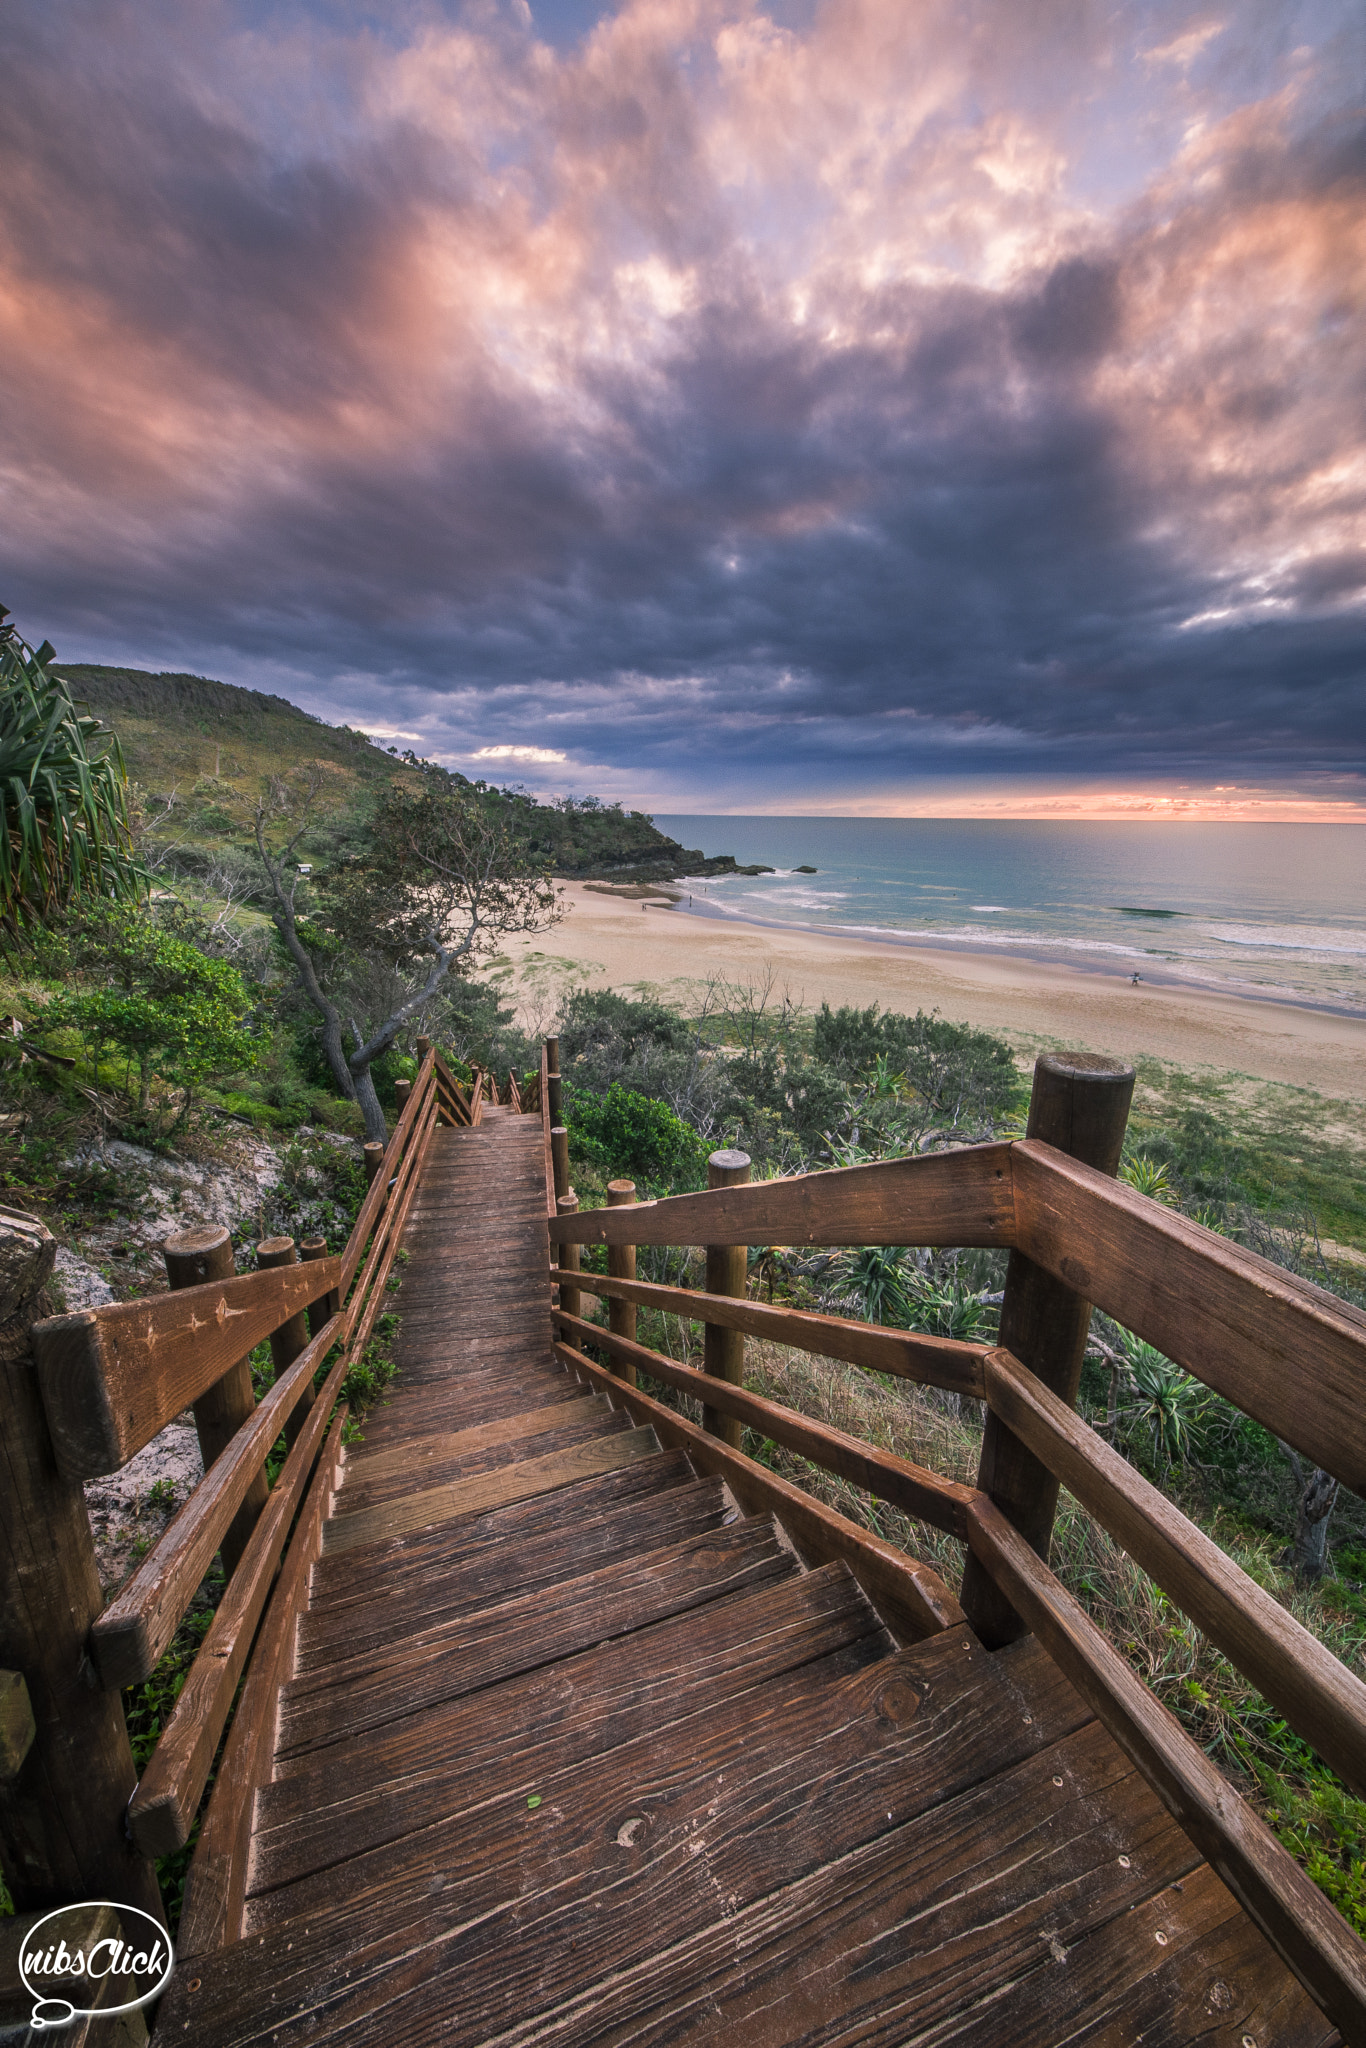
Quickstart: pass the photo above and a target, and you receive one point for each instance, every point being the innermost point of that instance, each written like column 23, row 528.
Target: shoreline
column 631, row 943
column 1042, row 956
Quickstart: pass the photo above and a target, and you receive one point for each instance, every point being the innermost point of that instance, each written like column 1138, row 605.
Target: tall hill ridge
column 213, row 745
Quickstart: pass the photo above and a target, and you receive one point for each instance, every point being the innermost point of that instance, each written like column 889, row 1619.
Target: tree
column 64, row 826
column 154, row 999
column 372, row 939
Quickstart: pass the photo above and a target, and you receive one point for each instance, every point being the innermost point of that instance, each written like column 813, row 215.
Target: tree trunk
column 1310, row 1554
column 363, row 1092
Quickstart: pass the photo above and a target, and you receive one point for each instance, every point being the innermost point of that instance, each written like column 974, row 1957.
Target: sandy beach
column 620, row 943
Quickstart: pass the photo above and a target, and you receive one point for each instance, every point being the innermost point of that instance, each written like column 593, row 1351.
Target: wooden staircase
column 569, row 1749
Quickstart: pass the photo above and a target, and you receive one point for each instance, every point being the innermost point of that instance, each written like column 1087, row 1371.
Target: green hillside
column 213, row 745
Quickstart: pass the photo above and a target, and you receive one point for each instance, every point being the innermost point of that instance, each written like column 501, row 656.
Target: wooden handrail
column 215, row 1887
column 162, row 1810
column 379, row 1187
column 111, row 1378
column 514, row 1094
column 1281, row 1349
column 962, row 1197
column 129, row 1638
column 906, row 1592
column 912, row 1488
column 456, row 1099
column 1301, row 1924
column 945, row 1362
column 1318, row 1695
column 550, row 1203
column 477, row 1098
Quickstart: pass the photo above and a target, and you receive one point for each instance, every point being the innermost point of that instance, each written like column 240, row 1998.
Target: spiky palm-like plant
column 64, row 827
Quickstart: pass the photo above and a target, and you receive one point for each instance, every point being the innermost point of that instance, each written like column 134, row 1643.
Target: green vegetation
column 64, row 830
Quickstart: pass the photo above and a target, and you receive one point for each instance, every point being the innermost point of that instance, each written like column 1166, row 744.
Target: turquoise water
column 1258, row 910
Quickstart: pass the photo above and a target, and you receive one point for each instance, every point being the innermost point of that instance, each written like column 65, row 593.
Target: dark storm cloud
column 726, row 408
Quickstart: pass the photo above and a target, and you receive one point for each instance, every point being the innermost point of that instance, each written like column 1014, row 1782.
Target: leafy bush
column 631, row 1135
column 152, row 1001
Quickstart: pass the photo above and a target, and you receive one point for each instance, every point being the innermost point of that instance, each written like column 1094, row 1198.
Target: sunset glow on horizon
column 902, row 407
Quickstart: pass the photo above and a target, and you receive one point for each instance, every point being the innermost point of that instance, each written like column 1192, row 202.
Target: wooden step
column 488, row 1490
column 450, row 1445
column 478, row 1650
column 381, row 1569
column 389, row 1783
column 657, row 1845
column 578, row 1422
column 485, row 1572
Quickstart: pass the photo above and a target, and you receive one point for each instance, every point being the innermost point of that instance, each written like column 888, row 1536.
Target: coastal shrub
column 629, row 1135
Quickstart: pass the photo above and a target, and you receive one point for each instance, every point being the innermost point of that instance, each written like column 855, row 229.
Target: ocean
column 1273, row 911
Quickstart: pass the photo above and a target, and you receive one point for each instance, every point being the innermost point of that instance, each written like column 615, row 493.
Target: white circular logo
column 50, row 1958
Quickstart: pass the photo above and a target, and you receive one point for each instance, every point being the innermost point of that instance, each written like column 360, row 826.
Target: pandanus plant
column 64, row 826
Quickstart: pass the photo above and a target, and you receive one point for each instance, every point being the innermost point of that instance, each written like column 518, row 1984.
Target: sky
column 851, row 406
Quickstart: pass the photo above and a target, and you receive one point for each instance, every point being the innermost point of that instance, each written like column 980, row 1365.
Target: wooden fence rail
column 111, row 1378
column 1284, row 1351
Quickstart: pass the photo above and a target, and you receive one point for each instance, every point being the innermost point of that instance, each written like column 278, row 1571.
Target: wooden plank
column 961, row 1197
column 434, row 1553
column 1212, row 1979
column 1318, row 1695
column 885, row 1755
column 479, row 1650
column 912, row 1599
column 162, row 1810
column 488, row 1490
column 465, row 1582
column 912, row 1488
column 215, row 1885
column 387, row 1784
column 112, row 1377
column 1303, row 1928
column 128, row 1640
column 409, row 1460
column 1278, row 1347
column 910, row 1931
column 577, row 1428
column 931, row 1361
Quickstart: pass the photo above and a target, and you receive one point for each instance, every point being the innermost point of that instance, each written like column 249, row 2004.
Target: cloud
column 914, row 393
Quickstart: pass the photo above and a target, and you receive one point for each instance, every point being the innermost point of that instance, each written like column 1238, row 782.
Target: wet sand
column 620, row 943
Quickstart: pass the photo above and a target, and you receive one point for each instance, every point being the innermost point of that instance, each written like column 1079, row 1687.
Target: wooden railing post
column 554, row 1083
column 559, row 1159
column 373, row 1155
column 402, row 1090
column 424, row 1046
column 292, row 1337
column 1080, row 1104
column 68, row 1773
column 723, row 1351
column 192, row 1259
column 621, row 1265
column 569, row 1256
column 320, row 1312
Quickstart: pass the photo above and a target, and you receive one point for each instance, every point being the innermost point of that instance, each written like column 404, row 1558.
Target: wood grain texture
column 215, row 1886
column 930, row 1361
column 112, row 1377
column 162, row 1810
column 1278, row 1347
column 1079, row 1103
column 474, row 1651
column 128, row 1640
column 1318, row 1695
column 912, row 1488
column 912, row 1598
column 1304, row 1929
column 473, row 1496
column 357, row 1796
column 963, row 1197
